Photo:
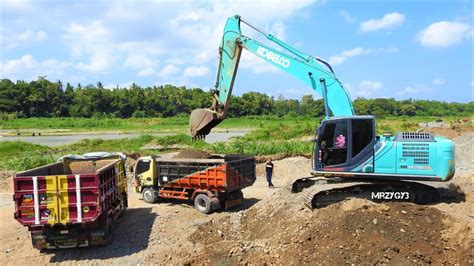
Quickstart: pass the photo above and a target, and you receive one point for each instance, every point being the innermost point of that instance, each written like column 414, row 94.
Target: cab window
column 143, row 166
column 362, row 135
column 333, row 145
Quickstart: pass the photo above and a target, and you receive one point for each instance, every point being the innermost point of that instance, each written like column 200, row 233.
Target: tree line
column 44, row 98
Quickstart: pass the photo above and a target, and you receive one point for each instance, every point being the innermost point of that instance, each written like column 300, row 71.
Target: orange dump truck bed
column 213, row 182
column 228, row 173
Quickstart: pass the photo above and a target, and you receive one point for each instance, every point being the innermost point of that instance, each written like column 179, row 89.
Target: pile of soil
column 288, row 168
column 195, row 154
column 281, row 231
column 6, row 180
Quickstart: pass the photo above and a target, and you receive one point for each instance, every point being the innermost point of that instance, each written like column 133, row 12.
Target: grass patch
column 27, row 161
column 19, row 155
column 271, row 135
column 12, row 148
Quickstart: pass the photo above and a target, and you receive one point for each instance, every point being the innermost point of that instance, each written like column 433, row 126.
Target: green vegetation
column 271, row 135
column 278, row 123
column 18, row 155
column 43, row 98
column 173, row 124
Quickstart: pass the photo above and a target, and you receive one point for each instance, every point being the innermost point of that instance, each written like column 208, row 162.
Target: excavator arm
column 316, row 73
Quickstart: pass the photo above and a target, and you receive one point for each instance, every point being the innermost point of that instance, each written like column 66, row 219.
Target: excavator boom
column 316, row 73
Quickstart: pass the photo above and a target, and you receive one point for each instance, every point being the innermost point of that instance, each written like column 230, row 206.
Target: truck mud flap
column 233, row 199
column 232, row 203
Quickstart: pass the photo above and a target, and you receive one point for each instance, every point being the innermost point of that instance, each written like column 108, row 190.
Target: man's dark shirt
column 269, row 168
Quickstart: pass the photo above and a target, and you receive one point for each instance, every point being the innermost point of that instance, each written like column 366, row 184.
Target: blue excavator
column 349, row 159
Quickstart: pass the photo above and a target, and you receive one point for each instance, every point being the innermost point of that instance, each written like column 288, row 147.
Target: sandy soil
column 272, row 226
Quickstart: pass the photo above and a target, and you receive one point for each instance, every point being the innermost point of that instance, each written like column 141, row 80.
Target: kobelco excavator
column 348, row 157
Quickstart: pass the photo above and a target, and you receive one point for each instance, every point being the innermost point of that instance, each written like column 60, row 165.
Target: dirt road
column 273, row 226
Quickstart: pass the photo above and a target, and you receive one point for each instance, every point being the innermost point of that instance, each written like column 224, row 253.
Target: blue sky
column 395, row 49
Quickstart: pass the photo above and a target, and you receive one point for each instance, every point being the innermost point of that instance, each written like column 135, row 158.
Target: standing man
column 269, row 170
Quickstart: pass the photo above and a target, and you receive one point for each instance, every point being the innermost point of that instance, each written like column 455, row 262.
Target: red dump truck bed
column 70, row 196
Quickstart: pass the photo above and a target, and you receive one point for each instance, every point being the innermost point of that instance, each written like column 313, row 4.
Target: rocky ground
column 273, row 226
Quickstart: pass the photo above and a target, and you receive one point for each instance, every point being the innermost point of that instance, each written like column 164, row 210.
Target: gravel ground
column 272, row 226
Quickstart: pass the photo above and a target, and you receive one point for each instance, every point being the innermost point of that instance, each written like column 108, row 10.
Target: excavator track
column 312, row 201
column 295, row 184
column 322, row 195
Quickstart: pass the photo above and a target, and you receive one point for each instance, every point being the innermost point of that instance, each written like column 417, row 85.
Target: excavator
column 349, row 159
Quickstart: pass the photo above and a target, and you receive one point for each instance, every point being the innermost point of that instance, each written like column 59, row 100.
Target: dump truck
column 73, row 202
column 211, row 183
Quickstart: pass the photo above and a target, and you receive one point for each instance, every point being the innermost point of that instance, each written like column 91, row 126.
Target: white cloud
column 414, row 89
column 366, row 89
column 278, row 30
column 196, row 71
column 168, row 70
column 341, row 58
column 347, row 16
column 41, row 35
column 438, row 81
column 112, row 37
column 146, row 72
column 444, row 34
column 256, row 64
column 143, row 63
column 16, row 4
column 388, row 21
column 91, row 42
column 26, row 37
column 138, row 61
column 358, row 51
column 97, row 63
column 112, row 86
column 27, row 67
column 370, row 85
column 201, row 27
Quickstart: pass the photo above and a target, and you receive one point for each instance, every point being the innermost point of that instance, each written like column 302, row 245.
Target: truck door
column 144, row 172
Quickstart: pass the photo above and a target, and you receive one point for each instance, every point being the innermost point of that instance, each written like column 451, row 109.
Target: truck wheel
column 202, row 203
column 149, row 195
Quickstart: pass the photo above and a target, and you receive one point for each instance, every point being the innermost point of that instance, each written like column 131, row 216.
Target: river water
column 67, row 139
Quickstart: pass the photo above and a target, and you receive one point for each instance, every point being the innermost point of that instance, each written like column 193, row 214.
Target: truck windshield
column 142, row 166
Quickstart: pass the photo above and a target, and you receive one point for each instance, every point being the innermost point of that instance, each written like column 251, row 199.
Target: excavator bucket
column 202, row 121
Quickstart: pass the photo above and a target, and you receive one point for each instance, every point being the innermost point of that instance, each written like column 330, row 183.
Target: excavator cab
column 344, row 143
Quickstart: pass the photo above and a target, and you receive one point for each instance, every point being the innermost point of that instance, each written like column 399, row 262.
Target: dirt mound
column 6, row 180
column 281, row 231
column 287, row 168
column 196, row 154
column 449, row 130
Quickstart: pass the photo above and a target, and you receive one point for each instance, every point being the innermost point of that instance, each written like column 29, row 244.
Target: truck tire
column 202, row 203
column 149, row 195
